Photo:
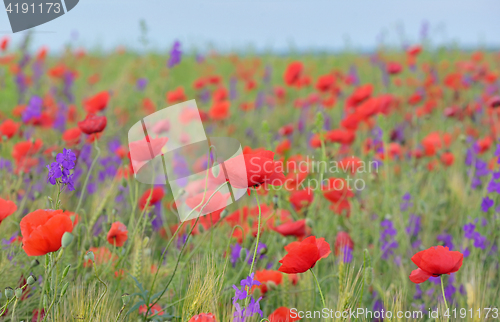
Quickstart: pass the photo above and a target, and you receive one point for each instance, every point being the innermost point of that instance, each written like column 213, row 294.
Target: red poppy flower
column 220, row 94
column 296, row 228
column 293, row 73
column 283, row 147
column 219, row 110
column 156, row 196
column 4, row 43
column 303, row 256
column 36, row 317
column 118, row 234
column 325, row 83
column 337, row 189
column 176, row 96
column 394, row 68
column 8, row 128
column 102, row 255
column 7, row 208
column 282, row 314
column 203, row 317
column 72, row 136
column 260, row 169
column 302, row 198
column 342, row 241
column 154, row 309
column 93, row 124
column 435, row 261
column 447, row 158
column 42, row 230
column 268, row 278
column 494, row 102
column 96, row 103
column 340, row 136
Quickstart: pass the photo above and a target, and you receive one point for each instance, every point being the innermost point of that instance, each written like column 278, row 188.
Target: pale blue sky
column 311, row 24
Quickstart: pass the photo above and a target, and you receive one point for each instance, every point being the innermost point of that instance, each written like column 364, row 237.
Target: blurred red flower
column 303, row 256
column 118, row 234
column 203, row 317
column 435, row 261
column 156, row 195
column 282, row 314
column 93, row 124
column 97, row 103
column 7, row 208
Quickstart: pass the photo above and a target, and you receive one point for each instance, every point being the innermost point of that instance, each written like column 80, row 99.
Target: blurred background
column 269, row 26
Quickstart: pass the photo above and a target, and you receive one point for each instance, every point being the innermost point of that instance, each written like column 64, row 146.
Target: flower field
column 370, row 187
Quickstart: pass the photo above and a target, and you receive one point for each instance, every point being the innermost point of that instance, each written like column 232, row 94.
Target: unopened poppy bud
column 9, row 293
column 31, row 280
column 215, row 169
column 263, row 250
column 243, row 254
column 18, row 292
column 275, row 201
column 309, row 222
column 64, row 289
column 66, row 239
column 271, row 285
column 257, row 293
column 90, row 255
column 35, row 263
column 224, row 213
column 201, row 229
column 65, row 272
column 125, row 299
column 124, row 183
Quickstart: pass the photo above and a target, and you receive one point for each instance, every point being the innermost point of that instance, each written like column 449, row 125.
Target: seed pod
column 31, row 280
column 125, row 299
column 34, row 263
column 90, row 255
column 243, row 254
column 9, row 293
column 65, row 272
column 64, row 289
column 18, row 292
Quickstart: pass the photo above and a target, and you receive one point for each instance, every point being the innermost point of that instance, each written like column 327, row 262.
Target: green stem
column 256, row 243
column 442, row 290
column 319, row 288
column 120, row 313
column 88, row 176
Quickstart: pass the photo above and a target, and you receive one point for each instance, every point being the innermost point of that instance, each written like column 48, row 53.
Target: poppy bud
column 65, row 272
column 257, row 293
column 224, row 213
column 31, row 280
column 125, row 299
column 35, row 263
column 275, row 201
column 243, row 254
column 54, row 154
column 309, row 222
column 9, row 293
column 18, row 292
column 271, row 285
column 263, row 251
column 201, row 229
column 124, row 183
column 90, row 255
column 215, row 169
column 66, row 239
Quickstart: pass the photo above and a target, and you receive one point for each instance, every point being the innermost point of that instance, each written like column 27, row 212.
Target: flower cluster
column 59, row 171
column 241, row 313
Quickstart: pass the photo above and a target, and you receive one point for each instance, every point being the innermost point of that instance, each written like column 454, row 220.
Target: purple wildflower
column 175, row 55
